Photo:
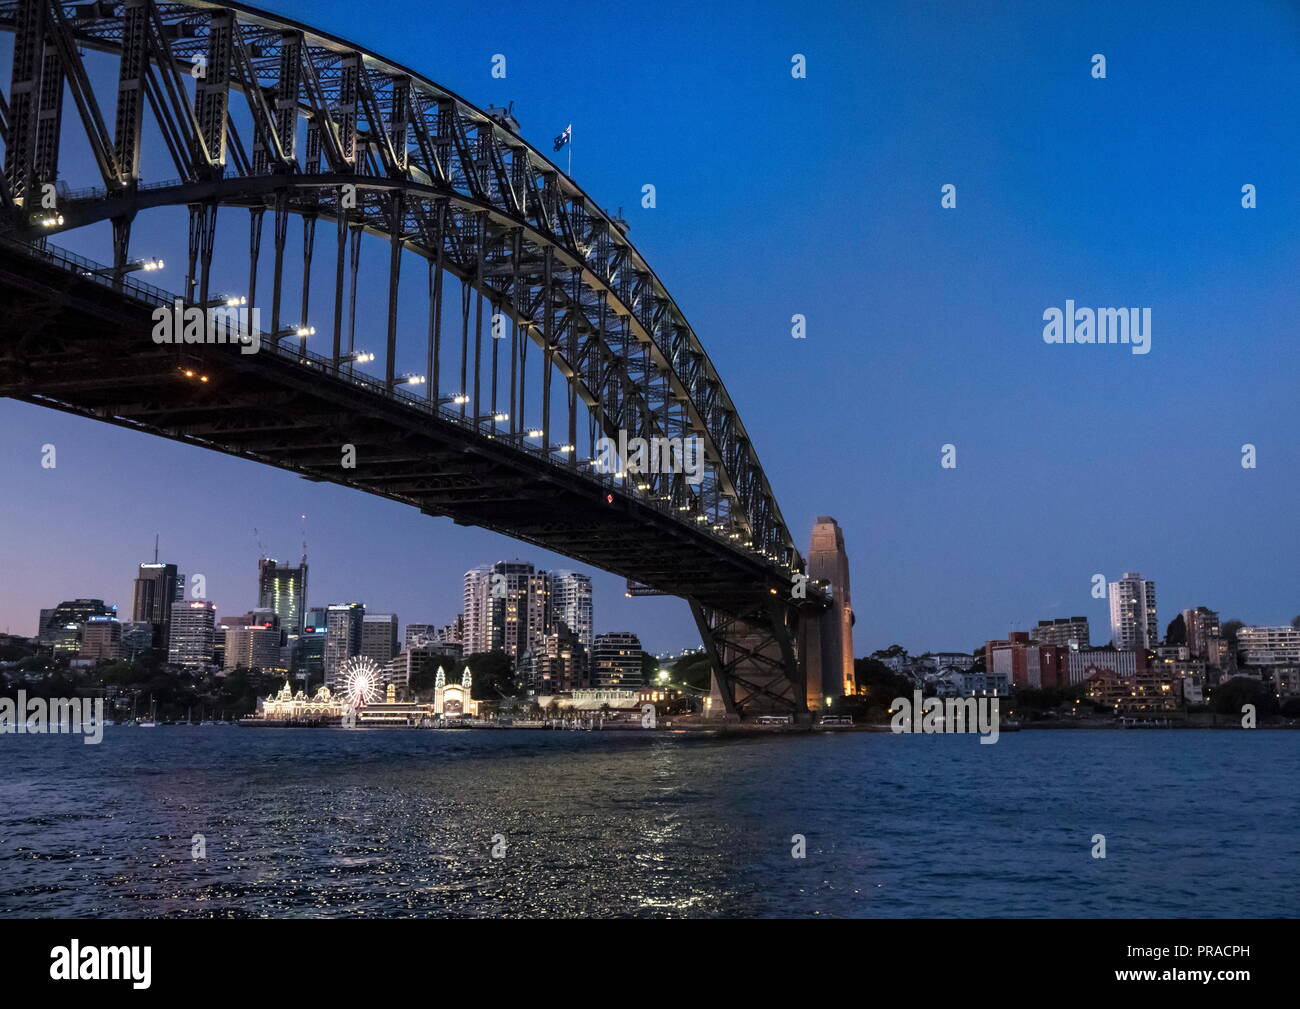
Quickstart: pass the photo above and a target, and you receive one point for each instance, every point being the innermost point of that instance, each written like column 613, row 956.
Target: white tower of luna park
column 454, row 700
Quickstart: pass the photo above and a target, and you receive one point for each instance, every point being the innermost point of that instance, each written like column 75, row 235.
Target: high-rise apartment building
column 1064, row 632
column 342, row 638
column 283, row 589
column 192, row 639
column 1133, row 612
column 1201, row 624
column 559, row 662
column 571, row 603
column 507, row 608
column 1268, row 646
column 477, row 607
column 616, row 660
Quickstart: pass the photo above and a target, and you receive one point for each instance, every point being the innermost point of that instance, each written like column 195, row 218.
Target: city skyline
column 1102, row 610
column 299, row 605
column 1058, row 629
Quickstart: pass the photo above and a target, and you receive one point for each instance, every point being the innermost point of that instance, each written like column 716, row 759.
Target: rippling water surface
column 401, row 823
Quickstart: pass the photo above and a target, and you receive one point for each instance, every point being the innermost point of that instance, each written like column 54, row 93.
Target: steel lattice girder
column 547, row 255
column 753, row 656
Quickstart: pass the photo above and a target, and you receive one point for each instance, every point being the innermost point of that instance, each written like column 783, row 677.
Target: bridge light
column 460, row 399
column 536, row 432
column 409, row 380
column 306, row 331
column 501, row 418
column 149, row 265
column 565, row 449
column 52, row 221
column 364, row 357
column 226, row 301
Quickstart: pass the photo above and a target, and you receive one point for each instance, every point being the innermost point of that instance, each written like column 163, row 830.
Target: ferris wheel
column 362, row 681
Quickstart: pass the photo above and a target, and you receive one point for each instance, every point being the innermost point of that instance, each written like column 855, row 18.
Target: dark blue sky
column 821, row 196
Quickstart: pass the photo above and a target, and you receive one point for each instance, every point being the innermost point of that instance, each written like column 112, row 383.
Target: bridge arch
column 328, row 131
column 434, row 175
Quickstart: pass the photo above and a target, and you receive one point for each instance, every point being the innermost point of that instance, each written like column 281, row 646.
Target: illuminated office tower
column 284, row 590
column 379, row 637
column 342, row 638
column 101, row 638
column 157, row 588
column 192, row 640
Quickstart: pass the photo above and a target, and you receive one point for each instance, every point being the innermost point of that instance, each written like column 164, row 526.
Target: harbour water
column 394, row 823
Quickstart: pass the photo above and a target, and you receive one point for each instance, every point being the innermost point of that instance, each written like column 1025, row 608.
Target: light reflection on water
column 400, row 823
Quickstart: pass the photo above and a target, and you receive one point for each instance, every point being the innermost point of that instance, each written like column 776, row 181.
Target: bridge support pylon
column 756, row 669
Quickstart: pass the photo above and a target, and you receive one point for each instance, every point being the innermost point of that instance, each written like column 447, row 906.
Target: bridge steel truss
column 280, row 119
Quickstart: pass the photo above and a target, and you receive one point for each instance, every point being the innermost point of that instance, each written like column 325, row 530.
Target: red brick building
column 1026, row 663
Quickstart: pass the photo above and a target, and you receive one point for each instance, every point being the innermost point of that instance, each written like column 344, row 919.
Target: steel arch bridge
column 250, row 118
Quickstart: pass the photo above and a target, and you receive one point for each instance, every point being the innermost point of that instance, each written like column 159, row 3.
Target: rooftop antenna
column 261, row 549
column 155, row 548
column 304, row 538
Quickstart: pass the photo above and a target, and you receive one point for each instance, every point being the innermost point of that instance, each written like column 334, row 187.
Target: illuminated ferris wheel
column 362, row 681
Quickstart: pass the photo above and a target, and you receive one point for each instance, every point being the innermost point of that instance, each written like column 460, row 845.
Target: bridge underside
column 73, row 344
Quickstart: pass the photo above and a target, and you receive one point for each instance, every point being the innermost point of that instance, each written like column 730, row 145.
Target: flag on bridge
column 564, row 137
